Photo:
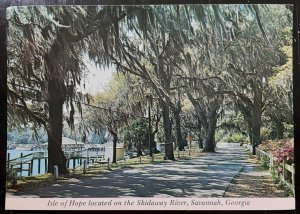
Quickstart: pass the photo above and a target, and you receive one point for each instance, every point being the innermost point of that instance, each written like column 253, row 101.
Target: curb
column 240, row 170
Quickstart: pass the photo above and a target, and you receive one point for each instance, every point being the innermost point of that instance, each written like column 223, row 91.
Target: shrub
column 219, row 135
column 282, row 150
column 288, row 131
column 234, row 138
column 265, row 133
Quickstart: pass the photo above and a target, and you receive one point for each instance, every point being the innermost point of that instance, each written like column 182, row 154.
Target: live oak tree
column 136, row 135
column 232, row 50
column 177, row 112
column 208, row 52
column 200, row 65
column 45, row 51
column 249, row 67
column 144, row 52
column 150, row 47
column 191, row 121
column 144, row 106
column 279, row 112
column 108, row 110
column 120, row 110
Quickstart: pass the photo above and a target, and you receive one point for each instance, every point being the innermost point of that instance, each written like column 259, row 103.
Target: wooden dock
column 25, row 163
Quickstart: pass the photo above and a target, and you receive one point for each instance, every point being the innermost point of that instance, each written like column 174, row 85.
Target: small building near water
column 119, row 153
column 109, row 151
column 73, row 148
column 69, row 146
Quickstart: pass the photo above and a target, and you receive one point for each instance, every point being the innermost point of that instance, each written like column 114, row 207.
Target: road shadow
column 206, row 176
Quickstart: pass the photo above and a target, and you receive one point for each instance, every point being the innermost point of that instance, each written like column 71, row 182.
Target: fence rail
column 270, row 160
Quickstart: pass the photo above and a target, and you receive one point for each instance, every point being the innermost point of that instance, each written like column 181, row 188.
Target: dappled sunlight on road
column 207, row 176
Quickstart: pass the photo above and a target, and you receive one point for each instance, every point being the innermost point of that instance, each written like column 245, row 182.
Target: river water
column 17, row 153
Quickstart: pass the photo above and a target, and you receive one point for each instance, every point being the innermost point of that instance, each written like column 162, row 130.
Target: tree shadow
column 207, row 176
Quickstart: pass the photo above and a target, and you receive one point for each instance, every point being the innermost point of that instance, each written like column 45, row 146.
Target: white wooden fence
column 270, row 160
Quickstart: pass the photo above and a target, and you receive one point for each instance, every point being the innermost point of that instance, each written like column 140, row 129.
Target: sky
column 97, row 78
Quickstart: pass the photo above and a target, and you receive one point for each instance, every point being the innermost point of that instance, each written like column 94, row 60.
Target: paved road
column 207, row 176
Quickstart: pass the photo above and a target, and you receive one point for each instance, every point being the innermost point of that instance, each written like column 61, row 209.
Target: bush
column 234, row 138
column 265, row 133
column 282, row 150
column 220, row 134
column 288, row 131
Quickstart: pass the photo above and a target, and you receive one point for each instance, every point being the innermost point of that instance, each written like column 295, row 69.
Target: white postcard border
column 150, row 204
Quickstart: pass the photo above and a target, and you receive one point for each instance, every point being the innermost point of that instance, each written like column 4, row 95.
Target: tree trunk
column 149, row 129
column 139, row 149
column 169, row 155
column 115, row 140
column 256, row 112
column 199, row 127
column 249, row 123
column 256, row 124
column 200, row 142
column 153, row 144
column 152, row 136
column 209, row 140
column 279, row 127
column 180, row 143
column 56, row 100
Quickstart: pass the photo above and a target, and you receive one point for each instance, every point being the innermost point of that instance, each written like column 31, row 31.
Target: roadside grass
column 264, row 165
column 96, row 169
column 26, row 183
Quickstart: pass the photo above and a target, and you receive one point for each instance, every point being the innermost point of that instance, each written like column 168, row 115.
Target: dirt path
column 254, row 182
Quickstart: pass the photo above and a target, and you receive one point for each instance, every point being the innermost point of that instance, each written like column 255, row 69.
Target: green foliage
column 160, row 135
column 234, row 138
column 220, row 135
column 265, row 162
column 136, row 134
column 164, row 48
column 275, row 177
column 233, row 127
column 282, row 150
column 265, row 133
column 288, row 131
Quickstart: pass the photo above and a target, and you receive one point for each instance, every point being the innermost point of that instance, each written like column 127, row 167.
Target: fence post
column 21, row 164
column 46, row 165
column 108, row 167
column 30, row 170
column 152, row 158
column 140, row 159
column 55, row 172
column 124, row 161
column 271, row 162
column 39, row 166
column 14, row 177
column 84, row 166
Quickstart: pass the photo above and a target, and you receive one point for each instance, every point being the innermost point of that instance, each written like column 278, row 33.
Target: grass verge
column 33, row 182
